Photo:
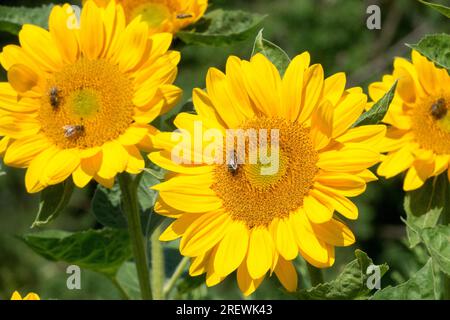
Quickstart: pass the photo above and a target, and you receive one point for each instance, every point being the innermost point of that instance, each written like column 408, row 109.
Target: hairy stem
column 131, row 208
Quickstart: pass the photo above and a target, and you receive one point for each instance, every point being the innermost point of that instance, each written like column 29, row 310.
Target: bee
column 439, row 109
column 54, row 97
column 71, row 131
column 184, row 16
column 232, row 164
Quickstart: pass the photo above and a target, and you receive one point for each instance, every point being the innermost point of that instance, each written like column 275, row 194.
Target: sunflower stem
column 315, row 275
column 158, row 273
column 176, row 275
column 131, row 208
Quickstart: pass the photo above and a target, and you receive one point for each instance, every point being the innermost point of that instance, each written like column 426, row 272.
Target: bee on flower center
column 71, row 131
column 54, row 97
column 184, row 16
column 232, row 164
column 438, row 109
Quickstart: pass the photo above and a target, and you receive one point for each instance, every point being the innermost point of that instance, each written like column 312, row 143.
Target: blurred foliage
column 335, row 33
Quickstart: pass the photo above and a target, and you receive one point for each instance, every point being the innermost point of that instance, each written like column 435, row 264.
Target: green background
column 335, row 33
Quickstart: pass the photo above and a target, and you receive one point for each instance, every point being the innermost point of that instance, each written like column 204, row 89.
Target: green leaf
column 272, row 52
column 419, row 287
column 127, row 279
column 106, row 207
column 54, row 199
column 424, row 206
column 376, row 114
column 2, row 173
column 12, row 18
column 437, row 241
column 350, row 284
column 438, row 7
column 220, row 27
column 103, row 251
column 435, row 47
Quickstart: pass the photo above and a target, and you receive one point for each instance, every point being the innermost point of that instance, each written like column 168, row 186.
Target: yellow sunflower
column 163, row 15
column 418, row 139
column 237, row 217
column 31, row 296
column 78, row 100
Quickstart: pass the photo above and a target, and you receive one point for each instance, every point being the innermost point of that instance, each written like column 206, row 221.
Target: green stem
column 131, row 209
column 158, row 274
column 315, row 275
column 177, row 273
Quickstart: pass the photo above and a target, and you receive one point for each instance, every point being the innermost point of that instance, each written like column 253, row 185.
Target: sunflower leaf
column 103, row 251
column 438, row 7
column 436, row 240
column 12, row 18
column 222, row 27
column 53, row 201
column 419, row 286
column 435, row 47
column 425, row 206
column 272, row 52
column 376, row 114
column 106, row 207
column 128, row 280
column 350, row 284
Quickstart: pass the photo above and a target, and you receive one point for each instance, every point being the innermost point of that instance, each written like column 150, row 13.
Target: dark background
column 335, row 33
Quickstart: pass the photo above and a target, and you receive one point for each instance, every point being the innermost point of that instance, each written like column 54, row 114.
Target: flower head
column 31, row 296
column 79, row 99
column 255, row 216
column 163, row 15
column 418, row 139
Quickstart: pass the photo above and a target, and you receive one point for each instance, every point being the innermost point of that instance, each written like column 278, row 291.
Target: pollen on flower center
column 91, row 95
column 255, row 198
column 430, row 123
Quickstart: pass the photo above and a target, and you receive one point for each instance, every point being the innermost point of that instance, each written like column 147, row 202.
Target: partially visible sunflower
column 31, row 296
column 418, row 140
column 163, row 15
column 244, row 220
column 78, row 101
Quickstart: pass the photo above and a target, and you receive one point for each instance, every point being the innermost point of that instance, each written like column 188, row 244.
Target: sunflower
column 418, row 138
column 163, row 15
column 78, row 101
column 31, row 296
column 233, row 216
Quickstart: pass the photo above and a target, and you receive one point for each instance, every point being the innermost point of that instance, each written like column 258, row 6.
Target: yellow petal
column 61, row 166
column 313, row 83
column 347, row 112
column 232, row 250
column 284, row 239
column 22, row 78
column 334, row 87
column 204, row 233
column 65, row 38
column 246, row 283
column 260, row 252
column 395, row 162
column 348, row 185
column 334, row 232
column 340, row 203
column 348, row 159
column 322, row 125
column 92, row 33
column 293, row 85
column 21, row 152
column 317, row 211
column 36, row 169
column 287, row 274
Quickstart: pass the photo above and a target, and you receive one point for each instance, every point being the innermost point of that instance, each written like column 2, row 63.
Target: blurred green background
column 335, row 33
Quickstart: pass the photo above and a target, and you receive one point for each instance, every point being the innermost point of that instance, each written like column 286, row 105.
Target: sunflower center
column 257, row 196
column 431, row 123
column 152, row 13
column 87, row 104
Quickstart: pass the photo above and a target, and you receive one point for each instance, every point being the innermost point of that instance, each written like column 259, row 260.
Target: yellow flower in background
column 79, row 99
column 163, row 15
column 236, row 218
column 31, row 296
column 418, row 140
